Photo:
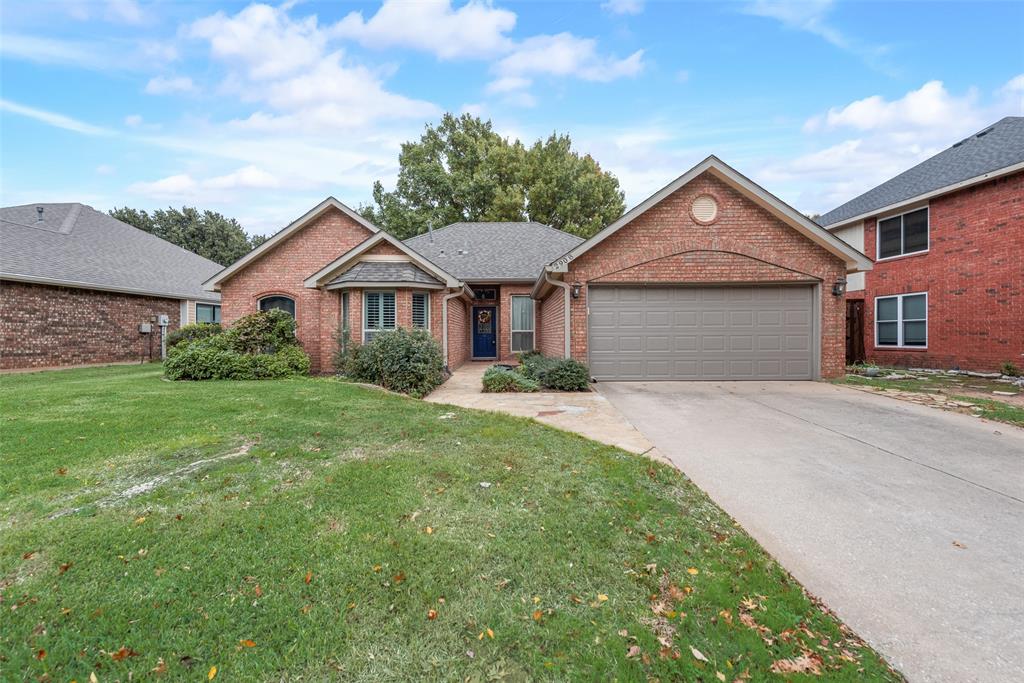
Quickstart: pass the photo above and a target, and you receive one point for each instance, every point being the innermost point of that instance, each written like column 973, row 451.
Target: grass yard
column 308, row 530
column 991, row 408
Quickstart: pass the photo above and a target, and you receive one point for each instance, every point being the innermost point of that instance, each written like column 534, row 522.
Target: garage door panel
column 693, row 333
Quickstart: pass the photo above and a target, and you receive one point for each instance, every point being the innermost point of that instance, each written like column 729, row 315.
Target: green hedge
column 406, row 361
column 560, row 374
column 190, row 333
column 499, row 380
column 258, row 346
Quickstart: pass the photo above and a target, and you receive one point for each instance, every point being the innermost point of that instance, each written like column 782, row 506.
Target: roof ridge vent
column 39, row 214
column 985, row 132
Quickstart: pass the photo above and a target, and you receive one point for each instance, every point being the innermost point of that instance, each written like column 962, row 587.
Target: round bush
column 263, row 332
column 399, row 360
column 567, row 375
column 500, row 380
column 190, row 333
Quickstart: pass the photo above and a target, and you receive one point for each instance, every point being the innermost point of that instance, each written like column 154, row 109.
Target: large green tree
column 207, row 233
column 461, row 170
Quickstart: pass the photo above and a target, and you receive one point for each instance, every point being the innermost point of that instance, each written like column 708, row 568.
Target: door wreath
column 483, row 317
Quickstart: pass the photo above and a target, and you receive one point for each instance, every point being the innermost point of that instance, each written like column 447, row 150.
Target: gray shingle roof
column 76, row 245
column 385, row 271
column 994, row 148
column 494, row 251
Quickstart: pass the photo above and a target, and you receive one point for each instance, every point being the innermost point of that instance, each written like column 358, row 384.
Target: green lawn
column 353, row 540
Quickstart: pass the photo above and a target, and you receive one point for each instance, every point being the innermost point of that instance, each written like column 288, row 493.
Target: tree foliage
column 207, row 233
column 461, row 170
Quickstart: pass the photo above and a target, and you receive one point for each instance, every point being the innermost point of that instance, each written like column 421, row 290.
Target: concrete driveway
column 906, row 520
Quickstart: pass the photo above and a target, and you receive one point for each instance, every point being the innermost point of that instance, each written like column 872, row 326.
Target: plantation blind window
column 421, row 311
column 522, row 324
column 379, row 313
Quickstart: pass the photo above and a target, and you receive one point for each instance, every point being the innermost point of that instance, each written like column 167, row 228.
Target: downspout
column 566, row 313
column 444, row 321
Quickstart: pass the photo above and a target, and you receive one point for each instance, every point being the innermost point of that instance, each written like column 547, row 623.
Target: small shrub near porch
column 536, row 371
column 258, row 346
column 503, row 380
column 401, row 360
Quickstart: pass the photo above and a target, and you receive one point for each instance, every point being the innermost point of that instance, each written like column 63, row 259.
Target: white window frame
column 533, row 323
column 295, row 304
column 366, row 329
column 900, row 320
column 426, row 306
column 903, row 254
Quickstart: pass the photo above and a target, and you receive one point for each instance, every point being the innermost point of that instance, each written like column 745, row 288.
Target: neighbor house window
column 522, row 324
column 421, row 310
column 280, row 303
column 901, row 320
column 378, row 313
column 903, row 234
column 207, row 313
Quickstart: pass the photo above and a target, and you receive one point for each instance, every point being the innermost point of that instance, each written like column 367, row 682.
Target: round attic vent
column 705, row 208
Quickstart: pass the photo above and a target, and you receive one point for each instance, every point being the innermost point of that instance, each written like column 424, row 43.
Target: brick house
column 947, row 238
column 76, row 284
column 710, row 278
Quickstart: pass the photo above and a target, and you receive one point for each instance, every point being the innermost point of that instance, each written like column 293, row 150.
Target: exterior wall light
column 576, row 287
column 839, row 288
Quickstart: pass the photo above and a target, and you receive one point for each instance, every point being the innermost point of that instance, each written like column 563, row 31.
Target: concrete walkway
column 906, row 520
column 586, row 413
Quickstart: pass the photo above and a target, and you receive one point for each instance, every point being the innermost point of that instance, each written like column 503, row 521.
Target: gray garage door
column 701, row 333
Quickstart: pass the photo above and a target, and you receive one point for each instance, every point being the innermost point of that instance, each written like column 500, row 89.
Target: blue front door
column 485, row 332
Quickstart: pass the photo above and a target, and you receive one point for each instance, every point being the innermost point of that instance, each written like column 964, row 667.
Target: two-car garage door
column 701, row 333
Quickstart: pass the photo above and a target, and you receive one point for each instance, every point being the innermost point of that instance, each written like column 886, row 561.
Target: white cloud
column 623, row 6
column 866, row 142
column 475, row 30
column 53, row 119
column 181, row 186
column 54, row 51
column 124, row 11
column 184, row 186
column 169, row 85
column 561, row 55
column 133, row 120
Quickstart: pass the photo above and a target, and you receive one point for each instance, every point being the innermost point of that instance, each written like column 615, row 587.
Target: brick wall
column 973, row 272
column 744, row 244
column 282, row 271
column 43, row 326
column 458, row 332
column 551, row 321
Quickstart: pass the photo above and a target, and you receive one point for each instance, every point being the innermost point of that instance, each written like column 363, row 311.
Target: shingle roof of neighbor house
column 75, row 245
column 494, row 251
column 996, row 147
column 385, row 271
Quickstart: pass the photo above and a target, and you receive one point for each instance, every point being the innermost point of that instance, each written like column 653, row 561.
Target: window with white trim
column 903, row 234
column 421, row 310
column 902, row 320
column 522, row 324
column 378, row 313
column 207, row 313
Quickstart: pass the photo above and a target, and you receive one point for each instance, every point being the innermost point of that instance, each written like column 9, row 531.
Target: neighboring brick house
column 710, row 278
column 76, row 284
column 947, row 238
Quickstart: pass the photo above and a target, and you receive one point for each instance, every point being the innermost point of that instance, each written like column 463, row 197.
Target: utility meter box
column 145, row 328
column 162, row 320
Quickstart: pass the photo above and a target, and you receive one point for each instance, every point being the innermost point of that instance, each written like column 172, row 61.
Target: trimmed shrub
column 500, row 380
column 263, row 332
column 399, row 360
column 1010, row 370
column 560, row 374
column 567, row 375
column 213, row 358
column 190, row 333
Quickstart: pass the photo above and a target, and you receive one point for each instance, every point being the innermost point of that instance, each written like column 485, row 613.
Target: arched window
column 281, row 303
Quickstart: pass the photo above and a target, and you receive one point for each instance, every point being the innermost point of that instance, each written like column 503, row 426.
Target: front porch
column 588, row 413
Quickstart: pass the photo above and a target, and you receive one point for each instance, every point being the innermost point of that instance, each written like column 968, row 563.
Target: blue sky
column 260, row 111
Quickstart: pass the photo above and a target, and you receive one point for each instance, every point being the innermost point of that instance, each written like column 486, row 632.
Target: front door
column 854, row 331
column 485, row 332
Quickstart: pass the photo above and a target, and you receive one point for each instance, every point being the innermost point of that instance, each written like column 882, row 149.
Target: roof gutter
column 567, row 352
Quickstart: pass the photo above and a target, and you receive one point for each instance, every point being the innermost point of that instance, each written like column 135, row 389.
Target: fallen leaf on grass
column 92, row 677
column 140, row 520
column 429, row 530
column 693, row 571
column 247, row 643
column 212, row 674
column 62, row 471
column 399, row 577
column 123, row 653
column 29, row 555
column 258, row 591
column 160, row 668
column 633, row 651
column 41, row 655
column 807, row 663
column 697, row 654
column 309, row 576
column 432, row 614
column 377, row 567
column 64, row 567
column 720, row 676
column 537, row 614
